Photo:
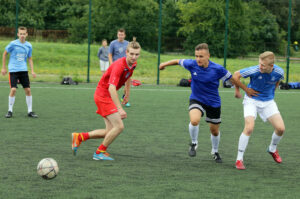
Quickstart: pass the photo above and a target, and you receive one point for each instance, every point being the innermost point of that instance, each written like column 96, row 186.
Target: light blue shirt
column 264, row 83
column 118, row 49
column 205, row 81
column 19, row 52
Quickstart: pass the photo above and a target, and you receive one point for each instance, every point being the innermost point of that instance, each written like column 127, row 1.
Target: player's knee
column 13, row 91
column 280, row 130
column 195, row 122
column 120, row 127
column 214, row 131
column 248, row 131
column 28, row 91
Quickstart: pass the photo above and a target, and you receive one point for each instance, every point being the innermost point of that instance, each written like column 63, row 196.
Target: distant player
column 103, row 56
column 20, row 50
column 205, row 97
column 107, row 101
column 259, row 98
column 117, row 50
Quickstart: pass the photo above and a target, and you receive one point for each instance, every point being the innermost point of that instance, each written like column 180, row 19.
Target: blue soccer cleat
column 102, row 156
column 128, row 104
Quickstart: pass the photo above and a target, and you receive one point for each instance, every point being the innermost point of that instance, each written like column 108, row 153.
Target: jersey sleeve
column 115, row 74
column 186, row 63
column 247, row 72
column 224, row 74
column 9, row 48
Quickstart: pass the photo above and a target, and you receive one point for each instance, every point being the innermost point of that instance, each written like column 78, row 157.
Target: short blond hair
column 269, row 56
column 133, row 44
column 202, row 46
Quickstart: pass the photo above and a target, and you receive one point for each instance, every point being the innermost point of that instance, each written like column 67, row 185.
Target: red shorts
column 105, row 106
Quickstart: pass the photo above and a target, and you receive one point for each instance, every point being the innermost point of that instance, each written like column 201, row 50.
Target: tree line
column 254, row 25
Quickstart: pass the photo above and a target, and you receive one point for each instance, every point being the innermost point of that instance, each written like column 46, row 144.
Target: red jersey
column 117, row 74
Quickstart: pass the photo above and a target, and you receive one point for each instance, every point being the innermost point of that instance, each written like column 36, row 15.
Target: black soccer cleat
column 32, row 114
column 216, row 156
column 192, row 150
column 8, row 114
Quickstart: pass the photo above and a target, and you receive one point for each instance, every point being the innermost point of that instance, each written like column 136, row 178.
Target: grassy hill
column 53, row 61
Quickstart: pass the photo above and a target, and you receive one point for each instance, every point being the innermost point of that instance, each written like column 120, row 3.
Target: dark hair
column 121, row 30
column 202, row 46
column 22, row 28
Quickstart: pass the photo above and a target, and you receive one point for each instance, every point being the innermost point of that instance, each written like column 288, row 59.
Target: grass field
column 53, row 61
column 151, row 159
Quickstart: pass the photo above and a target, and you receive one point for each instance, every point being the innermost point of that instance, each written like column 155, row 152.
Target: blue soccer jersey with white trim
column 264, row 83
column 19, row 52
column 205, row 81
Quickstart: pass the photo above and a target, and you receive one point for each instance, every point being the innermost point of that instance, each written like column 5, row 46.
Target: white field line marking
column 145, row 89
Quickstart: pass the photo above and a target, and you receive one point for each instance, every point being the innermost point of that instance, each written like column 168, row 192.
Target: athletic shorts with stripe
column 213, row 115
column 22, row 77
column 105, row 106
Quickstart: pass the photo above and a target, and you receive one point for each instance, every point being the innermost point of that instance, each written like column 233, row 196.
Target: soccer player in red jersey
column 107, row 101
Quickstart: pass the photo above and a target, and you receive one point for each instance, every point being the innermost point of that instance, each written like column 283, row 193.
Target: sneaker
column 32, row 114
column 192, row 150
column 75, row 142
column 8, row 114
column 216, row 156
column 128, row 104
column 275, row 156
column 102, row 156
column 239, row 165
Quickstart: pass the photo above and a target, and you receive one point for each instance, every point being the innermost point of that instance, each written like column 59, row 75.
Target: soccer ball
column 47, row 168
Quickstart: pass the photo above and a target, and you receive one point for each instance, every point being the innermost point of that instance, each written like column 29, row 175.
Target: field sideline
column 151, row 158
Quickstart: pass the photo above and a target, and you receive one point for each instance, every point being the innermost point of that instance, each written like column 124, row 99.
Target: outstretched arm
column 173, row 62
column 238, row 84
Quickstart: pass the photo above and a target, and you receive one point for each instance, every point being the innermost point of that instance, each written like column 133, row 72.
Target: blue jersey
column 118, row 49
column 19, row 52
column 264, row 83
column 205, row 81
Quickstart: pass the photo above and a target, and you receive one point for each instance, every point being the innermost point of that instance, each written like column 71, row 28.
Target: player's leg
column 13, row 80
column 250, row 113
column 196, row 111
column 117, row 127
column 271, row 112
column 24, row 80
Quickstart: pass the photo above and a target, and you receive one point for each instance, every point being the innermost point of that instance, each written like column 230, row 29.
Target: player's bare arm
column 238, row 84
column 110, row 58
column 3, row 70
column 114, row 96
column 31, row 67
column 163, row 65
column 127, row 91
column 277, row 84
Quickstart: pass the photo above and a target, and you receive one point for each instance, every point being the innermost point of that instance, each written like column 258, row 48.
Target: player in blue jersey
column 259, row 98
column 205, row 95
column 20, row 51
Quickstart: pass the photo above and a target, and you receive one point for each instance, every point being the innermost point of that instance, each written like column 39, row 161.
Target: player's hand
column 33, row 74
column 162, row 66
column 3, row 71
column 125, row 100
column 238, row 95
column 122, row 113
column 250, row 92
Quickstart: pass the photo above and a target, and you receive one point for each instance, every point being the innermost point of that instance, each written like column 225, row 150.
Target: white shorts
column 265, row 109
column 104, row 65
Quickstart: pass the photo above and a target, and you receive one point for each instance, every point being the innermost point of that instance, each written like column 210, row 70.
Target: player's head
column 133, row 51
column 266, row 62
column 104, row 42
column 22, row 33
column 202, row 54
column 121, row 34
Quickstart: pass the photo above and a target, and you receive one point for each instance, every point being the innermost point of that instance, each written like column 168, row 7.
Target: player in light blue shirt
column 20, row 52
column 259, row 98
column 204, row 98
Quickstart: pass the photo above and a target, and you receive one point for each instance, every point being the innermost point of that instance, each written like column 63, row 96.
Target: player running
column 20, row 50
column 259, row 98
column 205, row 96
column 107, row 101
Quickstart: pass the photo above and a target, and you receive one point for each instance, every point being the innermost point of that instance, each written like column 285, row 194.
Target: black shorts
column 213, row 115
column 21, row 77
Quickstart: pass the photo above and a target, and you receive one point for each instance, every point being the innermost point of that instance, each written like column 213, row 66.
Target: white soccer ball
column 47, row 168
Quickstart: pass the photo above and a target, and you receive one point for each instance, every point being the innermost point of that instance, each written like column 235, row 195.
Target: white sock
column 275, row 140
column 11, row 101
column 194, row 130
column 29, row 103
column 243, row 142
column 215, row 143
